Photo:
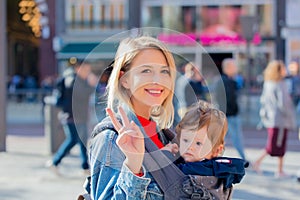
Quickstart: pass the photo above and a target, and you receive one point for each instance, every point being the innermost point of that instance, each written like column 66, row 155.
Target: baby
column 201, row 137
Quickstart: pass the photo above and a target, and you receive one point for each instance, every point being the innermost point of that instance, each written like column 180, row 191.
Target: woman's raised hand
column 130, row 140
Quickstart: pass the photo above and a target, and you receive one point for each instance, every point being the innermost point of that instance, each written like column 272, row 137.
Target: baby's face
column 194, row 145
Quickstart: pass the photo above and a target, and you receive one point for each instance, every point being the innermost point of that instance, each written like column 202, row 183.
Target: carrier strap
column 161, row 167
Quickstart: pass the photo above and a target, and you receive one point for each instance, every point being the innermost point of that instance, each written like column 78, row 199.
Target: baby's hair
column 202, row 114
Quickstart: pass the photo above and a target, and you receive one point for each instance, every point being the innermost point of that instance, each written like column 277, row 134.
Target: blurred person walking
column 16, row 83
column 294, row 82
column 78, row 84
column 230, row 105
column 188, row 89
column 277, row 114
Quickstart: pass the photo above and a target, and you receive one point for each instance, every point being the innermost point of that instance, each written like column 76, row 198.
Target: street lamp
column 33, row 12
column 3, row 65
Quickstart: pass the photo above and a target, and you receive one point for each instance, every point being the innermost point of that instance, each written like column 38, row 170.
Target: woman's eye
column 185, row 140
column 165, row 71
column 146, row 71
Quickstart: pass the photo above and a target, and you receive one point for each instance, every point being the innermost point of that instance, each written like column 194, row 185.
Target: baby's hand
column 173, row 148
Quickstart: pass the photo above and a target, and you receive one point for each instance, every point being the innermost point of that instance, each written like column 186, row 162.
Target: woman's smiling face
column 148, row 80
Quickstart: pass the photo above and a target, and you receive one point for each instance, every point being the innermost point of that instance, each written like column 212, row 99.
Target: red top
column 150, row 129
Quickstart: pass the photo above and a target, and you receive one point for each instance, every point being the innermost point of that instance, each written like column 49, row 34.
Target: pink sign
column 206, row 39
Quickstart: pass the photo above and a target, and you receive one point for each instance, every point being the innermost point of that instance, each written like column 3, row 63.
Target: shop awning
column 88, row 50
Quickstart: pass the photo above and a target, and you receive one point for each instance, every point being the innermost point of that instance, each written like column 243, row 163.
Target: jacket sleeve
column 110, row 178
column 132, row 186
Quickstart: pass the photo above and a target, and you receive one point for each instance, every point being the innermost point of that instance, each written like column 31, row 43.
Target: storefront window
column 85, row 14
column 212, row 25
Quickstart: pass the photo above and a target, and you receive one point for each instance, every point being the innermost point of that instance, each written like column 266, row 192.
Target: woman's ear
column 123, row 80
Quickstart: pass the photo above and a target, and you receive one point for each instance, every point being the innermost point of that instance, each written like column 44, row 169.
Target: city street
column 23, row 175
column 80, row 42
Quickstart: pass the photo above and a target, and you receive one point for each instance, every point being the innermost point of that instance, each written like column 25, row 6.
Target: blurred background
column 38, row 38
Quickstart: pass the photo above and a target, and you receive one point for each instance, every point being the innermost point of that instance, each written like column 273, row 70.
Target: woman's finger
column 124, row 117
column 114, row 120
column 137, row 129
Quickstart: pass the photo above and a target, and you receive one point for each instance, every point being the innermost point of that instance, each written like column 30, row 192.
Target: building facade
column 84, row 28
column 75, row 28
column 291, row 31
column 216, row 25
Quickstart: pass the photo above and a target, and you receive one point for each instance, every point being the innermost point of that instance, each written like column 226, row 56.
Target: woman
column 277, row 113
column 142, row 82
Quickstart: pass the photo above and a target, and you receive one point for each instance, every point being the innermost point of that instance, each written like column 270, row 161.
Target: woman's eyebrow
column 157, row 65
column 147, row 66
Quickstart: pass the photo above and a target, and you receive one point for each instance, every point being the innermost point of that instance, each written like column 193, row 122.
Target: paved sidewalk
column 265, row 186
column 23, row 175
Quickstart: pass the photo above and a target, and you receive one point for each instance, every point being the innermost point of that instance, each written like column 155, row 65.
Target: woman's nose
column 156, row 78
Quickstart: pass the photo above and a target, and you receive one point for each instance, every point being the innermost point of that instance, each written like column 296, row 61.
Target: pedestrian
column 226, row 94
column 31, row 85
column 142, row 82
column 15, row 85
column 188, row 89
column 294, row 82
column 78, row 84
column 277, row 114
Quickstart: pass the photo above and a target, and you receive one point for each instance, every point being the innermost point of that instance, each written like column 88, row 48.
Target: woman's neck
column 143, row 113
column 142, row 110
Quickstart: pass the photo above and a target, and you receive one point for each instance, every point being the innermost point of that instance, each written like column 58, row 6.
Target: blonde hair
column 273, row 71
column 202, row 114
column 118, row 95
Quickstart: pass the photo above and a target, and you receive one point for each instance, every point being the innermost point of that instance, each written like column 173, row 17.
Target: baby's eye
column 198, row 143
column 185, row 140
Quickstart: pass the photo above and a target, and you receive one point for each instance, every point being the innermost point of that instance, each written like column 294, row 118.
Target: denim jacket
column 111, row 179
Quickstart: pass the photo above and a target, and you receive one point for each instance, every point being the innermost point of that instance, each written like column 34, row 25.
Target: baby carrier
column 172, row 181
